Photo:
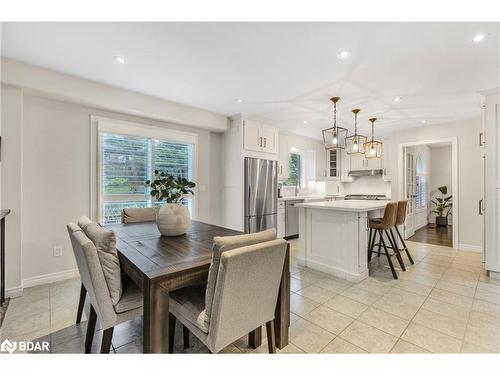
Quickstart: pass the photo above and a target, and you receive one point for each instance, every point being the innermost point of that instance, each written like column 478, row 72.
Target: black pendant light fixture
column 335, row 137
column 355, row 143
column 373, row 148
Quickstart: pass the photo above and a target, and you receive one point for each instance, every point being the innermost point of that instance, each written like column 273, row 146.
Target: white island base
column 333, row 236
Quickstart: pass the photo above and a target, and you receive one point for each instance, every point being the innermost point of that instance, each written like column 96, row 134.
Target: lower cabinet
column 281, row 219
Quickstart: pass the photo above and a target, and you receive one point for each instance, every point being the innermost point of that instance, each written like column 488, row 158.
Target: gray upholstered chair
column 241, row 293
column 139, row 215
column 111, row 309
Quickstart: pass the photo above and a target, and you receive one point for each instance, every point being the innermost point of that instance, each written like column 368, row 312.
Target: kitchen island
column 333, row 236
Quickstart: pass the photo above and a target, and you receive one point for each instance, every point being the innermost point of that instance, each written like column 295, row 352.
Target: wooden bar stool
column 381, row 226
column 400, row 220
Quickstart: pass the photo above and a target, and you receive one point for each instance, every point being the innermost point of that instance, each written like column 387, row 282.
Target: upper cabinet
column 259, row 137
column 284, row 159
column 333, row 164
column 387, row 161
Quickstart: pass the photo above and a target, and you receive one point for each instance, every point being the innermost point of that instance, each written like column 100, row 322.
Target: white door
column 410, row 193
column 252, row 137
column 269, row 139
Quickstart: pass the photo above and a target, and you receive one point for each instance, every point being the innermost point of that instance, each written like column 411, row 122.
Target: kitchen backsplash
column 367, row 185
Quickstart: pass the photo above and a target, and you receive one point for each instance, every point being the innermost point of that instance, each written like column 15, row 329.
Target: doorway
column 429, row 182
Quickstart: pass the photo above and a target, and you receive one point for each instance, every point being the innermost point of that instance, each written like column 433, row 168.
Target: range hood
column 366, row 172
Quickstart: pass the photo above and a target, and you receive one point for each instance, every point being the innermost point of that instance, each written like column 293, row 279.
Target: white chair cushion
column 105, row 243
column 222, row 244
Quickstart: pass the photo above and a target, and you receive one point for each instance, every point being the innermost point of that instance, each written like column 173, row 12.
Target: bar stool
column 400, row 220
column 381, row 226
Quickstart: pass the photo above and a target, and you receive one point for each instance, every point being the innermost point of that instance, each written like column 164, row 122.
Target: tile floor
column 444, row 303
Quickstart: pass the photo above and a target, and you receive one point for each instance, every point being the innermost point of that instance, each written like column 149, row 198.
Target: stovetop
column 365, row 197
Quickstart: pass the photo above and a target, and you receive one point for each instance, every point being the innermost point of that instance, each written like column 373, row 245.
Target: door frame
column 454, row 176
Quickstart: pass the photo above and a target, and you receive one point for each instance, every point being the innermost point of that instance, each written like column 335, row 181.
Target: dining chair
column 110, row 310
column 128, row 215
column 139, row 215
column 247, row 279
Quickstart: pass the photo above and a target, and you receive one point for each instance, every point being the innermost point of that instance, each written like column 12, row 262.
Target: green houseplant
column 443, row 206
column 173, row 217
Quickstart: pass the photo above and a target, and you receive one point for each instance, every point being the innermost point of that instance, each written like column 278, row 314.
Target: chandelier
column 335, row 137
column 373, row 148
column 355, row 143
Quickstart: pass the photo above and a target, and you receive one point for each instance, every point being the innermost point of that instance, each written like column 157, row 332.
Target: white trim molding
column 14, row 292
column 50, row 278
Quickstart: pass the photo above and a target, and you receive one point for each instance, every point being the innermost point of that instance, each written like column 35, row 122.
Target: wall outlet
column 57, row 251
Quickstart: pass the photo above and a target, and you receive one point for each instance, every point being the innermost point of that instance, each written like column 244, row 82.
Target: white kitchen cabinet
column 283, row 159
column 281, row 219
column 358, row 162
column 320, row 163
column 387, row 161
column 375, row 163
column 346, row 167
column 333, row 164
column 259, row 137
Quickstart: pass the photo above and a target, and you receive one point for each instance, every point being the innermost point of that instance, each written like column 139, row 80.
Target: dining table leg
column 155, row 328
column 282, row 312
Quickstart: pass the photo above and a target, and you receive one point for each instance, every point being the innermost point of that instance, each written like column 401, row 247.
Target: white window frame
column 99, row 125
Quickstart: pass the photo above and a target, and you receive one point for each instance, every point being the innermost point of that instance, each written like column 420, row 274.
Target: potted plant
column 173, row 217
column 443, row 206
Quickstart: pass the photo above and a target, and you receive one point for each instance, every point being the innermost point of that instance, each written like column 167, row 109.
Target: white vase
column 173, row 219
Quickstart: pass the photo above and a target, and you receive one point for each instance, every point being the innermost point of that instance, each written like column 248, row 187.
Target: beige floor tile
column 485, row 320
column 334, row 285
column 368, row 338
column 377, row 286
column 494, row 288
column 452, row 298
column 316, row 293
column 486, row 307
column 441, row 323
column 14, row 326
column 404, row 347
column 430, row 339
column 488, row 296
column 293, row 317
column 329, row 319
column 361, row 295
column 301, row 305
column 468, row 347
column 289, row 349
column 309, row 337
column 308, row 276
column 483, row 337
column 339, row 345
column 460, row 280
column 384, row 321
column 456, row 288
column 400, row 303
column 447, row 309
column 414, row 277
column 414, row 287
column 346, row 306
column 297, row 284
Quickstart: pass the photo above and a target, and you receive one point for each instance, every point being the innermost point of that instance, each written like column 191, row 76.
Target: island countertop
column 349, row 205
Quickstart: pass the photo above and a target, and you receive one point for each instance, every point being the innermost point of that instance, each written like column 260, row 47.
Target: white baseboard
column 14, row 292
column 494, row 275
column 473, row 248
column 50, row 278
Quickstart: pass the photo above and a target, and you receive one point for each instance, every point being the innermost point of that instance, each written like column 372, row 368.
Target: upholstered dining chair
column 241, row 293
column 112, row 300
column 128, row 215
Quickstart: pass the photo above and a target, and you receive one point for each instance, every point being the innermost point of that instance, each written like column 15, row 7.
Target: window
column 296, row 174
column 421, row 201
column 127, row 161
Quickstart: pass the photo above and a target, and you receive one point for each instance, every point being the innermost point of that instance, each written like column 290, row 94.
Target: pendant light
column 355, row 143
column 373, row 148
column 335, row 137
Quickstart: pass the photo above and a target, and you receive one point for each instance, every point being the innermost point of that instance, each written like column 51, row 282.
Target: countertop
column 309, row 197
column 350, row 205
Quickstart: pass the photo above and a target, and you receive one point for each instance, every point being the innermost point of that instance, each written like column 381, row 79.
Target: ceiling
column 284, row 72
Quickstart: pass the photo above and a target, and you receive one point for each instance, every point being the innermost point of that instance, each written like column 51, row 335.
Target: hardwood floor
column 434, row 235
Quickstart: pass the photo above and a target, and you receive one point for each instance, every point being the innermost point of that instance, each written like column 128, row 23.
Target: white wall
column 470, row 172
column 54, row 187
column 441, row 171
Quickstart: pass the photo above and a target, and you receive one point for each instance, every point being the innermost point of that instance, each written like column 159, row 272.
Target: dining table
column 160, row 264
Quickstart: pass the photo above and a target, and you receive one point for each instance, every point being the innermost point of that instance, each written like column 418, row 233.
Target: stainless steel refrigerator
column 261, row 194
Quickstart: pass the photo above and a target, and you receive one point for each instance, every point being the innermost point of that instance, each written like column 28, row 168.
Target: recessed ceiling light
column 305, row 122
column 342, row 55
column 424, row 121
column 397, row 99
column 119, row 60
column 239, row 100
column 479, row 37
